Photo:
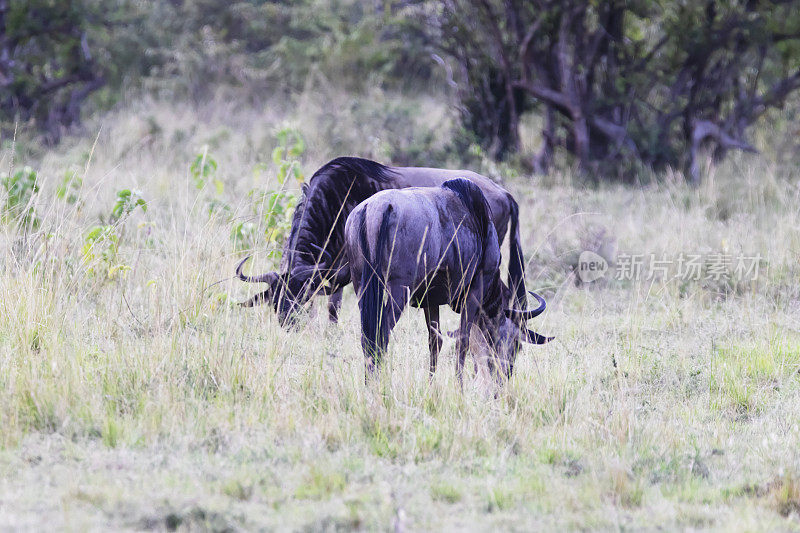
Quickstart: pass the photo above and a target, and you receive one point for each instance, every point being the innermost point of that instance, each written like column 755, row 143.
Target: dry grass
column 143, row 399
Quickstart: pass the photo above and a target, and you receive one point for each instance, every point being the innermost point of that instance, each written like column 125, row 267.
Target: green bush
column 101, row 242
column 274, row 207
column 20, row 187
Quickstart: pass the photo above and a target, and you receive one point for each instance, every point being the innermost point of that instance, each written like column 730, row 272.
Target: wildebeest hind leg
column 468, row 313
column 398, row 297
column 390, row 314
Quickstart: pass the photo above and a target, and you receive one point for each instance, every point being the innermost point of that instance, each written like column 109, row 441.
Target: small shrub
column 244, row 235
column 274, row 208
column 101, row 242
column 286, row 154
column 104, row 239
column 127, row 202
column 20, row 188
column 204, row 168
column 69, row 188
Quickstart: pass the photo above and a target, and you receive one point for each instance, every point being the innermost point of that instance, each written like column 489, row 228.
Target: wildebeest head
column 286, row 293
column 280, row 293
column 311, row 260
column 504, row 334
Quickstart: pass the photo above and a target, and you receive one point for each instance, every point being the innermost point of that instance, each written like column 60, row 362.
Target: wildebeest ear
column 534, row 338
column 332, row 280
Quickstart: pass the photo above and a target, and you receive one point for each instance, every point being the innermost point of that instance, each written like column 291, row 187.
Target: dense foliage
column 618, row 85
column 55, row 53
column 621, row 82
column 47, row 68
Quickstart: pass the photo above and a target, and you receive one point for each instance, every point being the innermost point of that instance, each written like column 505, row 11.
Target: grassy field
column 134, row 395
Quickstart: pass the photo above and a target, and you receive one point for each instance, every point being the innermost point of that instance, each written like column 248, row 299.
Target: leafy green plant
column 127, row 202
column 219, row 207
column 285, row 156
column 204, row 168
column 244, row 235
column 101, row 242
column 20, row 187
column 274, row 207
column 69, row 188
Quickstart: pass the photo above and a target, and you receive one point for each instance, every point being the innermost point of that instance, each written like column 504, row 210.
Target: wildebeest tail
column 373, row 285
column 475, row 202
column 516, row 262
column 473, row 199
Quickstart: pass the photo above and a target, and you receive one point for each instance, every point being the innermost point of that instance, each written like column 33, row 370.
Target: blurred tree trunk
column 543, row 159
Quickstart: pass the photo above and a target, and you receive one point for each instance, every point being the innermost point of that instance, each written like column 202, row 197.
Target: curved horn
column 535, row 338
column 268, row 277
column 527, row 315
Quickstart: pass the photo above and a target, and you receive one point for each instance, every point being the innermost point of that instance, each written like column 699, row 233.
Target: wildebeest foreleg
column 434, row 336
column 334, row 304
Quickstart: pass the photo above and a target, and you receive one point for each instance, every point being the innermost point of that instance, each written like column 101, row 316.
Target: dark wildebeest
column 434, row 246
column 313, row 262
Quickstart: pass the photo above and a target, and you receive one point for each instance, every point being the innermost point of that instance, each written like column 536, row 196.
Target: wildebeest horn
column 268, row 277
column 527, row 315
column 535, row 338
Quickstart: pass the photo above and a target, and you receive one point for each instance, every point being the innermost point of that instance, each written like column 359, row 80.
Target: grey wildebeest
column 313, row 262
column 434, row 246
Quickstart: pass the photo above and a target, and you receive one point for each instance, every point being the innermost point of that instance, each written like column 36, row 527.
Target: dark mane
column 473, row 199
column 356, row 165
column 334, row 190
